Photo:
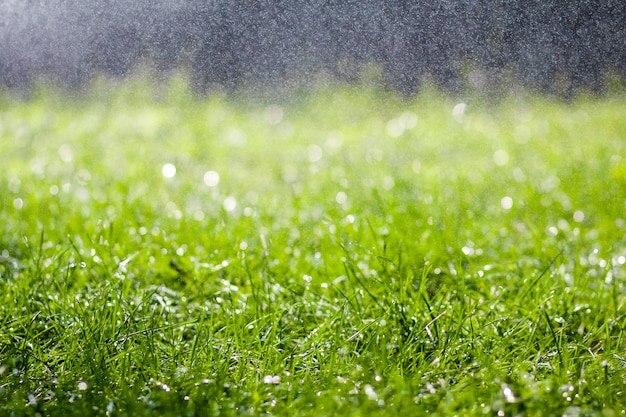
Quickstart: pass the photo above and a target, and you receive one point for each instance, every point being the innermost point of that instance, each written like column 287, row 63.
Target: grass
column 340, row 252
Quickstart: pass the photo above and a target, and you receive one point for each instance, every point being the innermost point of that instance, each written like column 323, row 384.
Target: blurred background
column 557, row 47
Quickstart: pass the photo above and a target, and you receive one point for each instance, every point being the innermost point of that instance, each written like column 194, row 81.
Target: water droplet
column 315, row 153
column 168, row 170
column 388, row 183
column 271, row 379
column 506, row 202
column 519, row 175
column 341, row 197
column 18, row 203
column 408, row 119
column 230, row 203
column 395, row 128
column 211, row 178
column 416, row 166
column 501, row 157
column 579, row 216
column 370, row 392
column 458, row 112
column 274, row 114
column 66, row 153
column 82, row 386
column 508, row 394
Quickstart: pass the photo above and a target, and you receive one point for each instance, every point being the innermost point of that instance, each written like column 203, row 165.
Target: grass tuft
column 342, row 252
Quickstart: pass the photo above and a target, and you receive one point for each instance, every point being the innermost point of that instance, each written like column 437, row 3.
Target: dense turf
column 344, row 252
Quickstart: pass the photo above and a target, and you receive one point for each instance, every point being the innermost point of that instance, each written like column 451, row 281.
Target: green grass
column 461, row 266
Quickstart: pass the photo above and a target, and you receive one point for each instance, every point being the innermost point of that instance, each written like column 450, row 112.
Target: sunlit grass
column 341, row 252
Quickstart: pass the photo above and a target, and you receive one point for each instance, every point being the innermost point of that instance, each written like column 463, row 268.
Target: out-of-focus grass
column 343, row 252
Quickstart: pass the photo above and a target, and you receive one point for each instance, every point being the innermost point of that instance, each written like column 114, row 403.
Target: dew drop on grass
column 82, row 386
column 370, row 392
column 395, row 128
column 230, row 203
column 65, row 153
column 508, row 394
column 458, row 112
column 506, row 203
column 579, row 216
column 168, row 170
column 416, row 166
column 408, row 119
column 388, row 183
column 271, row 379
column 501, row 157
column 519, row 175
column 18, row 203
column 341, row 197
column 315, row 153
column 211, row 178
column 274, row 114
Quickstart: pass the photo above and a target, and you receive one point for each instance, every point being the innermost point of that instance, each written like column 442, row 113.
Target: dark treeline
column 555, row 46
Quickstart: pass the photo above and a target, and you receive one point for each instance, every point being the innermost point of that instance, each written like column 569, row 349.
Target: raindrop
column 18, row 203
column 211, row 178
column 168, row 170
column 82, row 386
column 54, row 189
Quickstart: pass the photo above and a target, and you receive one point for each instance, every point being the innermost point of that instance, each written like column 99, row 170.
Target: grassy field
column 341, row 252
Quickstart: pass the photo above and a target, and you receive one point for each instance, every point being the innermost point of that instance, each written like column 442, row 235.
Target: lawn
column 343, row 251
